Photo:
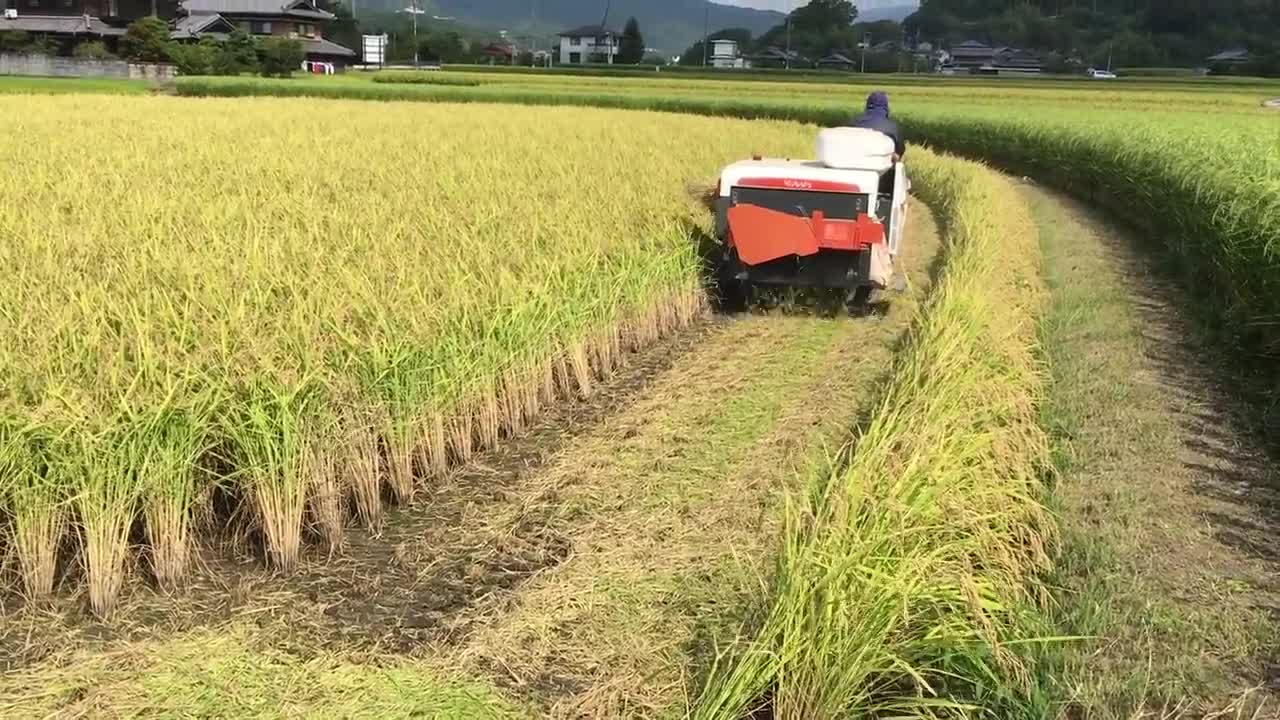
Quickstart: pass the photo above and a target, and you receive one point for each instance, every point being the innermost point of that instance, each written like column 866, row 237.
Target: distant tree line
column 1131, row 33
column 1126, row 33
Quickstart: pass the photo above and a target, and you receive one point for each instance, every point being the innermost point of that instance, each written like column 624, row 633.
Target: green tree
column 92, row 50
column 195, row 58
column 239, row 54
column 442, row 46
column 815, row 29
column 631, row 47
column 146, row 40
column 822, row 16
column 281, row 56
column 344, row 29
column 14, row 41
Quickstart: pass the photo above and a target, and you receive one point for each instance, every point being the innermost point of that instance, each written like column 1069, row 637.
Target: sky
column 781, row 5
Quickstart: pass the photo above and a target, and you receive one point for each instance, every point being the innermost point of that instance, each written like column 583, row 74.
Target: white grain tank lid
column 849, row 148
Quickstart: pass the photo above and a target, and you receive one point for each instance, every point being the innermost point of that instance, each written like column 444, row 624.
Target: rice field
column 1167, row 155
column 275, row 318
column 240, row 312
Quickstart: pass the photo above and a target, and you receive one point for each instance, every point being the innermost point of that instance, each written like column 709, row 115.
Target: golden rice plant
column 313, row 303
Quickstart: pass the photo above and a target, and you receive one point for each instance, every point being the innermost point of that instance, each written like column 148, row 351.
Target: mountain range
column 668, row 26
column 868, row 10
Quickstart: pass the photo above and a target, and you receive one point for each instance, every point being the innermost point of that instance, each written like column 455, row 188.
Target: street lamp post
column 706, row 26
column 787, row 61
column 414, row 9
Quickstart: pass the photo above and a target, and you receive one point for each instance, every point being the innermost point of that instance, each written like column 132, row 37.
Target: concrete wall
column 50, row 66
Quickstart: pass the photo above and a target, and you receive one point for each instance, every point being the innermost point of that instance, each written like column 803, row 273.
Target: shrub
column 14, row 41
column 429, row 77
column 92, row 50
column 146, row 40
column 239, row 55
column 196, row 59
column 281, row 56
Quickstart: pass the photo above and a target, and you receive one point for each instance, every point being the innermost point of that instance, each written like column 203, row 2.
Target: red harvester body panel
column 760, row 235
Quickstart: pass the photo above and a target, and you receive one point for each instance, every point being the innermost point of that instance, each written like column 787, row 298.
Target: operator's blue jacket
column 877, row 118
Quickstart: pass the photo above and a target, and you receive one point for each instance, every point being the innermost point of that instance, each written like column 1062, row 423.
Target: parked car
column 1100, row 74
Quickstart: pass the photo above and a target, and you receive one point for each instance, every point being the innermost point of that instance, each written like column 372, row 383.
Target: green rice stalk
column 36, row 502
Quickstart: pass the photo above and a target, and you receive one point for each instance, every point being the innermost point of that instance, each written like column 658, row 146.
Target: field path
column 588, row 568
column 1171, row 503
column 671, row 510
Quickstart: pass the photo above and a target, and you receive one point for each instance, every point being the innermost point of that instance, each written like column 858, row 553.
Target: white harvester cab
column 832, row 222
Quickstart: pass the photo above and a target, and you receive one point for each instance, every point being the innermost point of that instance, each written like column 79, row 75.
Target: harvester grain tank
column 834, row 222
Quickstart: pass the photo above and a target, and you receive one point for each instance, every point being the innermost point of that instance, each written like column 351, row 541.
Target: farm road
column 1171, row 504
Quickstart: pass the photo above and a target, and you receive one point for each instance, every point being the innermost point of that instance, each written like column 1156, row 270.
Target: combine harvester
column 834, row 223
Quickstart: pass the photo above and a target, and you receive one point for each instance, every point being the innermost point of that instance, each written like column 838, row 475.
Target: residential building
column 502, row 52
column 1014, row 61
column 589, row 44
column 724, row 54
column 970, row 55
column 837, row 61
column 1231, row 58
column 974, row 57
column 71, row 21
column 778, row 58
column 297, row 19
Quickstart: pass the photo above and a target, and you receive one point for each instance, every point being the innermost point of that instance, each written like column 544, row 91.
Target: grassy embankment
column 59, row 86
column 1176, row 618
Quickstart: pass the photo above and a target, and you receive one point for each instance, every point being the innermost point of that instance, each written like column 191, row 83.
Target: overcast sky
column 781, row 5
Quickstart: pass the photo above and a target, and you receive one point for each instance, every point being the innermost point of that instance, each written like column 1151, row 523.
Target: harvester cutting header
column 834, row 222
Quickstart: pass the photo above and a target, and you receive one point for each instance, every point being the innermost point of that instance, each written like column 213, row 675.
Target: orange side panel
column 870, row 232
column 761, row 235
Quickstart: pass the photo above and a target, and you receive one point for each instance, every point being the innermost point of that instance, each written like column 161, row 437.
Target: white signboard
column 374, row 49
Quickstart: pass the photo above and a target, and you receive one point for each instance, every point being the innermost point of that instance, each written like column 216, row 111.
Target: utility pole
column 787, row 62
column 706, row 27
column 414, row 10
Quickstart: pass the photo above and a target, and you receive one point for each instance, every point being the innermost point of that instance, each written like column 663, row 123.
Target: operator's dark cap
column 878, row 101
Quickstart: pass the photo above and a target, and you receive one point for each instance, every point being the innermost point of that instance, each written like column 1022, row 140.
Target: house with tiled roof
column 301, row 20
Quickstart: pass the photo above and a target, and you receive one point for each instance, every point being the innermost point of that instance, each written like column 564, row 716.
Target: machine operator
column 876, row 117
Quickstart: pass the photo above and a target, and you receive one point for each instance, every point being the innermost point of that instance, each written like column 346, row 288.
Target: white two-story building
column 588, row 44
column 724, row 54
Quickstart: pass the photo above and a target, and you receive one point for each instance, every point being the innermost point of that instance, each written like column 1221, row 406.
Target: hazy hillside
column 668, row 25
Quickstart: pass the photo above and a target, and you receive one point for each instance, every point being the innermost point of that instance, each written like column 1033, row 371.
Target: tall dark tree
column 824, row 16
column 343, row 29
column 631, row 47
column 146, row 40
column 816, row 28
